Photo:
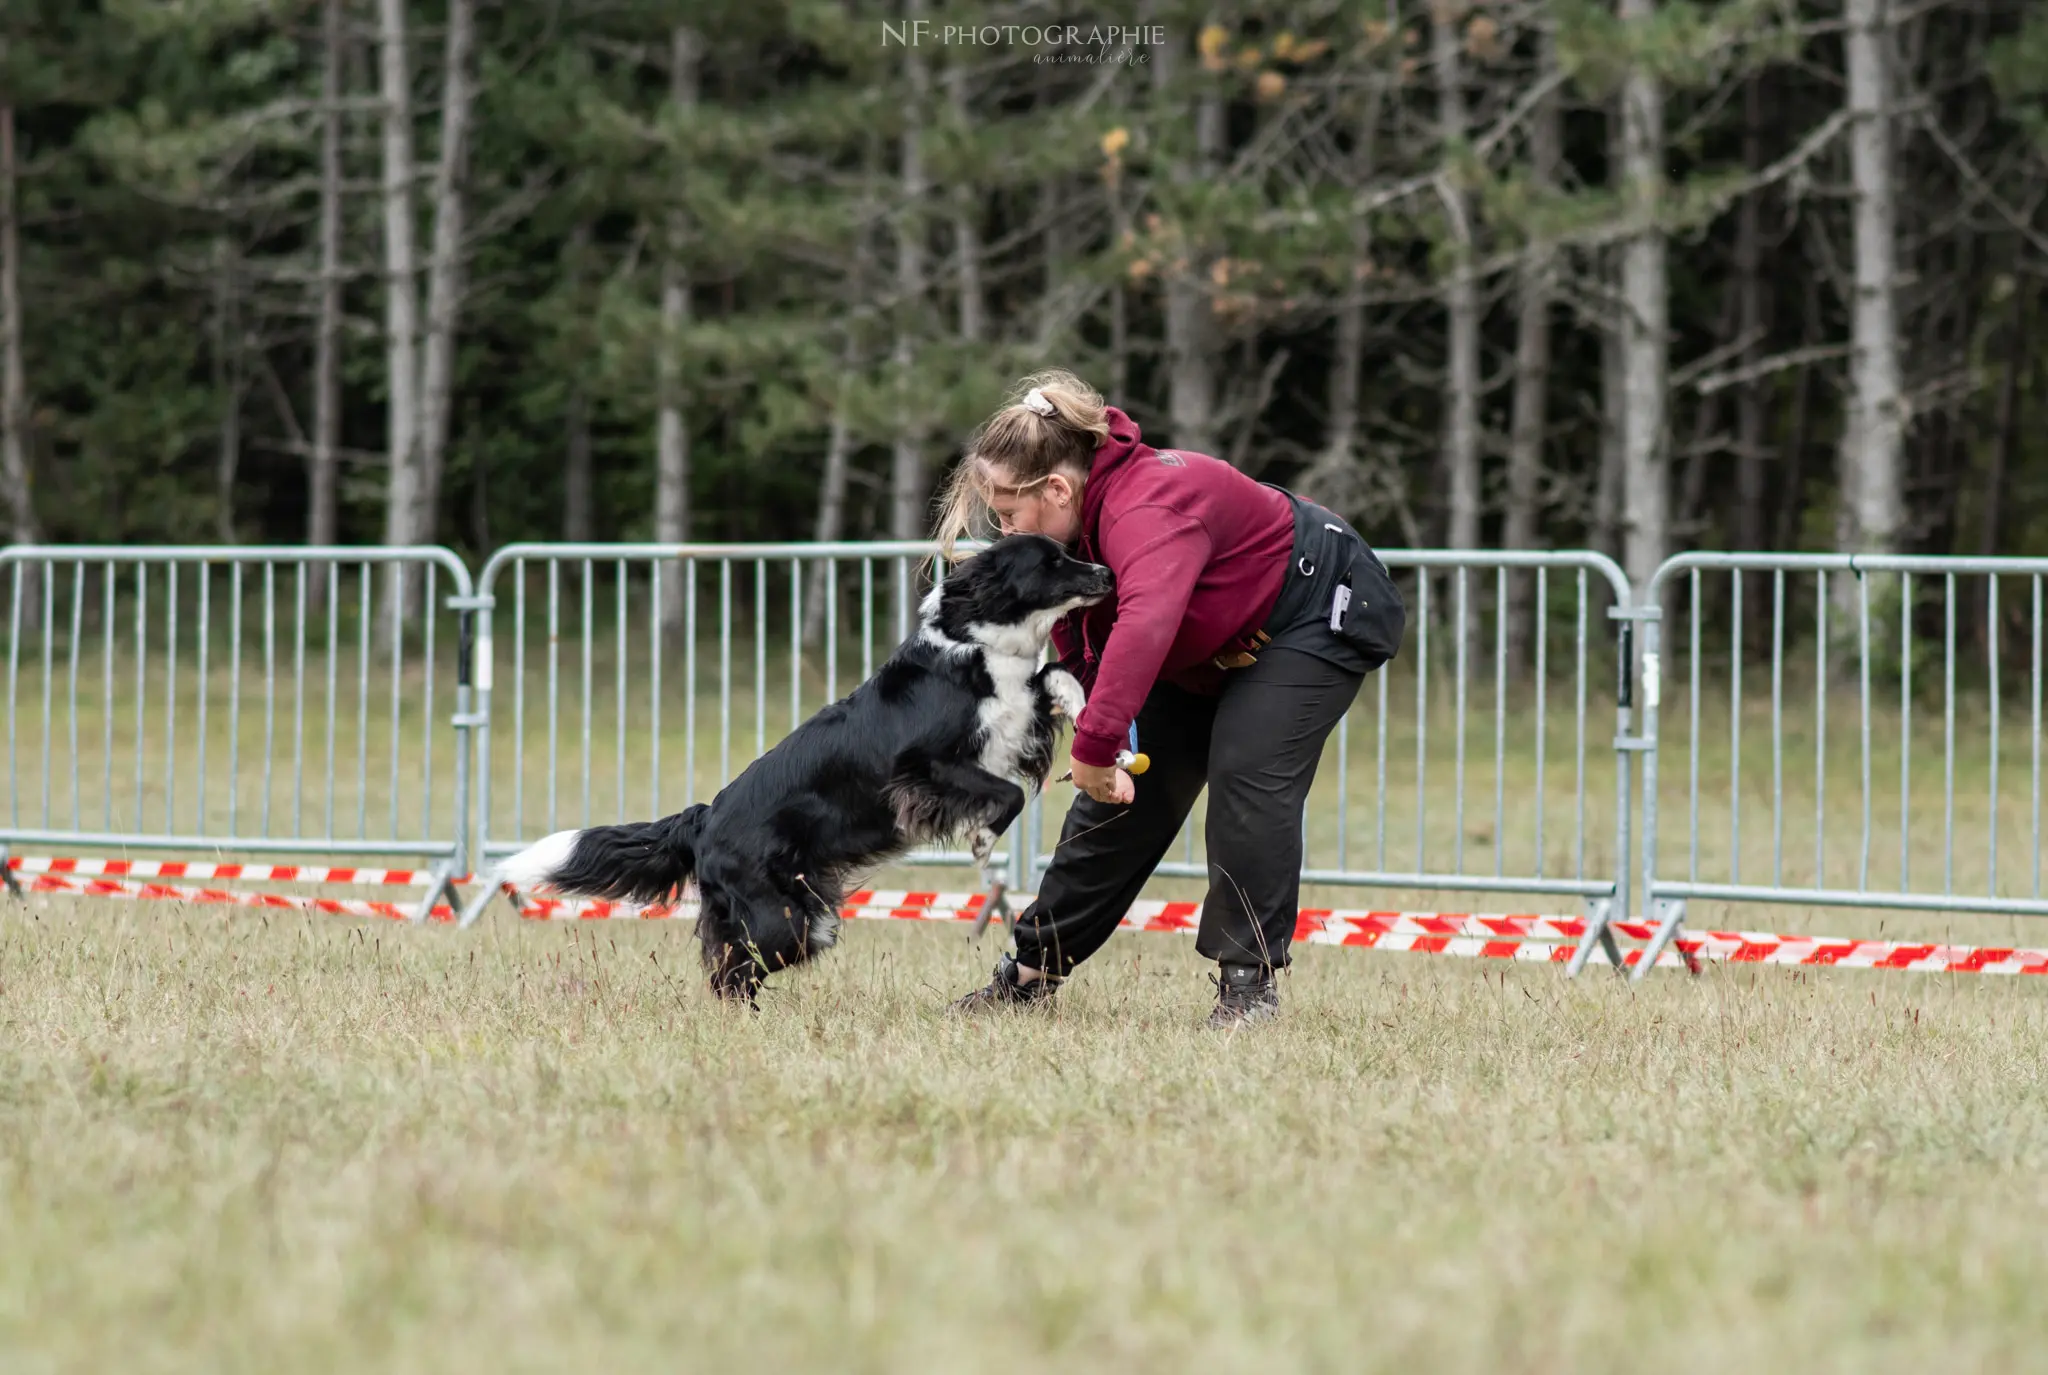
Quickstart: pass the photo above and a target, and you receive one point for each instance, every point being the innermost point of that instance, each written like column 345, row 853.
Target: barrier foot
column 1670, row 914
column 483, row 897
column 439, row 885
column 7, row 873
column 1598, row 916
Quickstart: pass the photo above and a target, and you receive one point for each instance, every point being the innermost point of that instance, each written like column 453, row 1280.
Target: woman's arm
column 1157, row 555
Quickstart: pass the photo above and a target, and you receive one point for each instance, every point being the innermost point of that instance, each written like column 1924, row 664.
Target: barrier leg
column 1670, row 913
column 1599, row 918
column 7, row 873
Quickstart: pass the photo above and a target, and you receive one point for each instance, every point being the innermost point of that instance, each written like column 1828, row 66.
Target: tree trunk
column 228, row 381
column 1749, row 401
column 576, row 479
column 401, row 295
column 966, row 216
column 1461, row 296
column 1645, row 328
column 321, row 523
column 14, row 414
column 831, row 525
column 1191, row 344
column 1873, row 423
column 907, row 478
column 672, row 437
column 1532, row 360
column 2011, row 400
column 1613, row 413
column 445, row 274
column 1792, row 487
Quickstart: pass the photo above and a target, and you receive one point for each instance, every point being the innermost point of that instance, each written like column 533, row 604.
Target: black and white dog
column 929, row 748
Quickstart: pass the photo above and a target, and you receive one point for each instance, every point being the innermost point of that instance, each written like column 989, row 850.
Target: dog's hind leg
column 751, row 928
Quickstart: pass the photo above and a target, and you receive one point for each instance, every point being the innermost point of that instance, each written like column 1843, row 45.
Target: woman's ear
column 1061, row 489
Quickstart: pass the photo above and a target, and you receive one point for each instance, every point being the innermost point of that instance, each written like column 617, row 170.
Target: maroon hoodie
column 1199, row 551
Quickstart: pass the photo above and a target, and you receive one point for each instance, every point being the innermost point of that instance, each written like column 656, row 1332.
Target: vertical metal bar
column 1735, row 739
column 49, row 585
column 141, row 679
column 205, row 687
column 1458, row 785
column 107, row 591
column 299, row 703
column 1778, row 727
column 1905, row 721
column 367, row 574
column 77, row 631
column 654, row 610
column 1692, row 863
column 554, row 567
column 1343, row 784
column 796, row 642
column 724, row 671
column 587, row 632
column 902, row 599
column 1991, row 635
column 831, row 629
column 760, row 657
column 334, row 573
column 171, row 702
column 1820, row 733
column 269, row 682
column 1863, row 672
column 13, row 682
column 1948, row 749
column 1421, row 708
column 1380, row 798
column 399, row 572
column 2035, row 736
column 431, row 571
column 690, row 675
column 620, row 573
column 1542, row 689
column 1500, row 718
column 1579, row 766
column 519, row 698
column 867, row 619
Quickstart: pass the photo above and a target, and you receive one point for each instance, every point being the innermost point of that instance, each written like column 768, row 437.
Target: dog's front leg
column 1063, row 689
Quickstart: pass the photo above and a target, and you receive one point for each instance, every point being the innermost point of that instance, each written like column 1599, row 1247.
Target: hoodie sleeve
column 1157, row 555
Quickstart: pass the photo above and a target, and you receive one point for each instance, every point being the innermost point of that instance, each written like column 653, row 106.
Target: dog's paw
column 1068, row 699
column 982, row 843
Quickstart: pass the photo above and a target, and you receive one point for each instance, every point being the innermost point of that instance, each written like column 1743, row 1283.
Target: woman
column 1243, row 623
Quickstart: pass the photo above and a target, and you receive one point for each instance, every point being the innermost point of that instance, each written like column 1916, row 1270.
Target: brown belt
column 1243, row 658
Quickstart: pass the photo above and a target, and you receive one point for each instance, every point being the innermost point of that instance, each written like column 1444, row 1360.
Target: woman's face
column 1051, row 508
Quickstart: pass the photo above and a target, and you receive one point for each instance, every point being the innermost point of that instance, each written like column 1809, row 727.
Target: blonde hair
column 1029, row 445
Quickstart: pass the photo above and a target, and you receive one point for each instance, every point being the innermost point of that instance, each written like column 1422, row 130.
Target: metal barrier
column 791, row 621
column 1860, row 614
column 153, row 660
column 633, row 616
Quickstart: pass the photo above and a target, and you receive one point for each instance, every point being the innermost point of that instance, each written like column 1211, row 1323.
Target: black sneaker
column 1004, row 991
column 1246, row 993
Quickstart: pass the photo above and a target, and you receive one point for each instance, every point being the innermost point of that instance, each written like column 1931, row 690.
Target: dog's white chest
column 1009, row 715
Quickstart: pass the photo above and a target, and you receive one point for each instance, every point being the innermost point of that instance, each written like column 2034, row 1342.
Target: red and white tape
column 1517, row 937
column 178, row 868
column 135, row 891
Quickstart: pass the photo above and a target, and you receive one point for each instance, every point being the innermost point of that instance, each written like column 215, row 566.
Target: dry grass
column 227, row 1143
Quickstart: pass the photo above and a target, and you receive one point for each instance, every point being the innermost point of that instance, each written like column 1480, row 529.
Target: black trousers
column 1255, row 747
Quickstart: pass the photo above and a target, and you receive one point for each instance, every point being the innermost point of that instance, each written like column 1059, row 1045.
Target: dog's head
column 1009, row 595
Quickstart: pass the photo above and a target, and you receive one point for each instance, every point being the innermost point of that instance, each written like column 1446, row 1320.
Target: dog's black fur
column 928, row 748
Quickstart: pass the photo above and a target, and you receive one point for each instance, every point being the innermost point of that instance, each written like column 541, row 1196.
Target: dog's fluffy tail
column 640, row 861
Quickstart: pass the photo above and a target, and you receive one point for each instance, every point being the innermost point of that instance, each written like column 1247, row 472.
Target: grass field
column 235, row 1144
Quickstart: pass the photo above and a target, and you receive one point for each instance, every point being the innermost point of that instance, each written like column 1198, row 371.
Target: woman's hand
column 1104, row 784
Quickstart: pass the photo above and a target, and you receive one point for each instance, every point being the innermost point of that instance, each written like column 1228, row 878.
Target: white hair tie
column 1035, row 400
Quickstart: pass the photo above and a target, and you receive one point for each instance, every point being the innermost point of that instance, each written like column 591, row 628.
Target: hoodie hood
column 1123, row 444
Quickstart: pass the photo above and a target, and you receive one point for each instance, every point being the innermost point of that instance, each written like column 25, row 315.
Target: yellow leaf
column 1115, row 141
column 1250, row 58
column 1271, row 84
column 1283, row 46
column 1212, row 40
column 1309, row 52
